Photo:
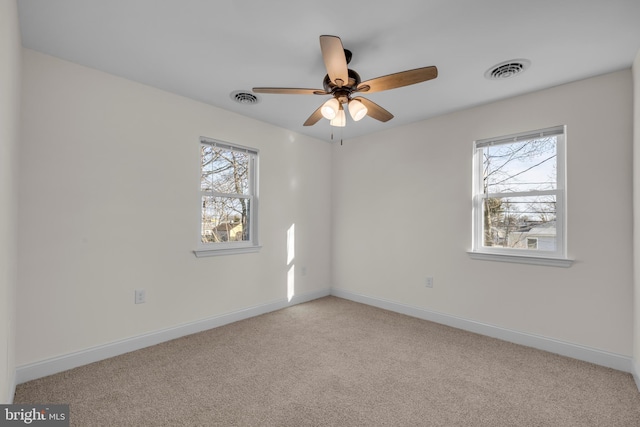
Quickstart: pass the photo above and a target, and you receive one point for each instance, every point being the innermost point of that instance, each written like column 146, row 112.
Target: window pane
column 225, row 219
column 520, row 222
column 206, row 167
column 520, row 166
column 224, row 171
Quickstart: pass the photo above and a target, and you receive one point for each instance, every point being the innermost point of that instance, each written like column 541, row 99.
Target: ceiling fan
column 342, row 83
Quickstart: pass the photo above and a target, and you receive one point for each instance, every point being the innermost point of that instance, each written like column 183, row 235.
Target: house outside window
column 519, row 197
column 228, row 198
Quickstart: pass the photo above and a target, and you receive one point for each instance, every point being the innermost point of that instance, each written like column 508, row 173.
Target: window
column 519, row 198
column 228, row 198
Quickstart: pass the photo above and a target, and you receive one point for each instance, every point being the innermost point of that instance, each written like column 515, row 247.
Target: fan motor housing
column 354, row 81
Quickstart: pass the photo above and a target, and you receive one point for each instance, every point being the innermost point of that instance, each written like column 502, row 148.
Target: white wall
column 109, row 203
column 9, row 127
column 402, row 212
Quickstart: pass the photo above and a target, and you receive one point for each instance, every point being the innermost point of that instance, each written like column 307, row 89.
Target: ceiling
column 205, row 49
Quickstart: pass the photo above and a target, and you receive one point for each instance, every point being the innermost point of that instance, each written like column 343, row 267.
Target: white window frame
column 556, row 258
column 233, row 247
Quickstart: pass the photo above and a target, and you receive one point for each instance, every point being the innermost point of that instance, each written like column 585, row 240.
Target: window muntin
column 228, row 196
column 519, row 194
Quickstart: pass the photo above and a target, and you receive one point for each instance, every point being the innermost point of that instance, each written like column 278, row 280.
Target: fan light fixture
column 340, row 120
column 357, row 110
column 330, row 109
column 334, row 111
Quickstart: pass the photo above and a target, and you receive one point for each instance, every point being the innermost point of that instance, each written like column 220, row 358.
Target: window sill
column 551, row 262
column 201, row 253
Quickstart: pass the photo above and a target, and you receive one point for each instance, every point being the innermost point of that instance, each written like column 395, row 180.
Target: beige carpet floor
column 333, row 362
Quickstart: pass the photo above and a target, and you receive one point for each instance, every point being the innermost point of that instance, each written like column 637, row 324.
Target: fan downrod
column 347, row 55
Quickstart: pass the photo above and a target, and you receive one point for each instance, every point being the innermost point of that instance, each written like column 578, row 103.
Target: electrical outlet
column 429, row 282
column 141, row 296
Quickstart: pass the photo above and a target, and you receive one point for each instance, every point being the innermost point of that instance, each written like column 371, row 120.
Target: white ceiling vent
column 507, row 69
column 244, row 97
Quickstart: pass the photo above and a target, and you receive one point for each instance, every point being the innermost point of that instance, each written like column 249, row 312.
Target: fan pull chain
column 340, row 136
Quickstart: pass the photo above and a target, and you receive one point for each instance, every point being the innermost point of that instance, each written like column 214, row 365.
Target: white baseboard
column 636, row 373
column 12, row 390
column 65, row 362
column 576, row 351
column 54, row 365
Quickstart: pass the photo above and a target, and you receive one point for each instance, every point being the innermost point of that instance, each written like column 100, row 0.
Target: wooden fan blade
column 403, row 78
column 290, row 91
column 374, row 110
column 314, row 118
column 334, row 59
